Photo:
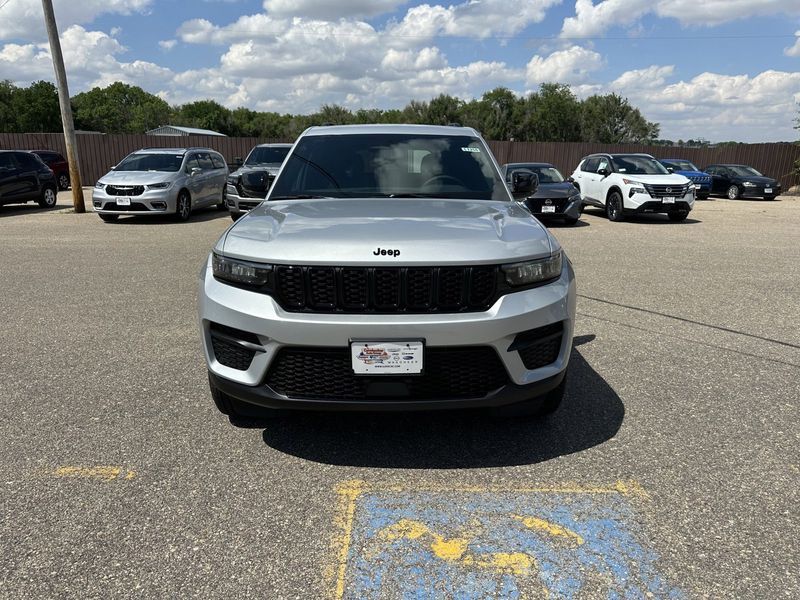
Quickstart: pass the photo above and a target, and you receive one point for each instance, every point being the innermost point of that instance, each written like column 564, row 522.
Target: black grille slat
column 124, row 190
column 386, row 289
column 660, row 190
column 539, row 347
column 326, row 373
column 231, row 354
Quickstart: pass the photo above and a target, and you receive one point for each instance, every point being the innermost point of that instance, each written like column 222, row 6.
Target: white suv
column 623, row 184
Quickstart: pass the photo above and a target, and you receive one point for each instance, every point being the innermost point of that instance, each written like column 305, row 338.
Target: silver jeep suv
column 156, row 181
column 388, row 269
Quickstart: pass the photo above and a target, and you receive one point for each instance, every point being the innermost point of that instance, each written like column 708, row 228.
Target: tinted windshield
column 390, row 165
column 266, row 156
column 680, row 165
column 638, row 165
column 546, row 174
column 151, row 162
column 745, row 171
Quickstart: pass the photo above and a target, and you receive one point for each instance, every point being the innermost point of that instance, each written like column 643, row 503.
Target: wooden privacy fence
column 98, row 153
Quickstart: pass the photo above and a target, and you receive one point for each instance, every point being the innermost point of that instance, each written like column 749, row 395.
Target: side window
column 205, row 161
column 711, row 170
column 218, row 162
column 191, row 163
column 602, row 164
column 28, row 162
column 7, row 162
column 590, row 165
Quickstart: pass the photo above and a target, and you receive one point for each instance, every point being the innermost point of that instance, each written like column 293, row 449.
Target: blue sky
column 721, row 69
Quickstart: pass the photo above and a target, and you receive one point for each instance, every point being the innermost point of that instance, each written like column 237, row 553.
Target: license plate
column 767, row 190
column 387, row 358
column 548, row 209
column 123, row 201
column 668, row 200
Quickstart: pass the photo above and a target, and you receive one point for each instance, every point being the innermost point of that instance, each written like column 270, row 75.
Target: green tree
column 334, row 114
column 205, row 114
column 8, row 118
column 119, row 108
column 610, row 119
column 551, row 115
column 36, row 108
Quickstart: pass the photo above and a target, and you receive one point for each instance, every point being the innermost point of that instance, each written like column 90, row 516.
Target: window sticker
column 470, row 149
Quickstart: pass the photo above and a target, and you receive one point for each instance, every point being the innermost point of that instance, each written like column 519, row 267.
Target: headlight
column 240, row 271
column 99, row 185
column 749, row 184
column 233, row 180
column 530, row 272
column 159, row 186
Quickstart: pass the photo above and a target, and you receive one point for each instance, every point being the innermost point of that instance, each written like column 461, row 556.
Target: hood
column 270, row 168
column 754, row 179
column 138, row 177
column 692, row 173
column 416, row 231
column 555, row 190
column 671, row 179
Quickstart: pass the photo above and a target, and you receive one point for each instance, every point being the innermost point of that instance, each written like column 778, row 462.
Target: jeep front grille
column 386, row 289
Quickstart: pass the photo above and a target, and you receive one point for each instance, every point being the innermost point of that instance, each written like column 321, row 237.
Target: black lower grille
column 539, row 347
column 132, row 207
column 536, row 204
column 386, row 289
column 326, row 373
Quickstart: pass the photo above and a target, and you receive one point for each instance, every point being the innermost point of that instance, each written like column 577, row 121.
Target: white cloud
column 794, row 50
column 326, row 10
column 572, row 65
column 715, row 106
column 23, row 19
column 594, row 19
column 167, row 44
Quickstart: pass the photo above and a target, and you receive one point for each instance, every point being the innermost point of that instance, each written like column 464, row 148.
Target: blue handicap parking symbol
column 470, row 543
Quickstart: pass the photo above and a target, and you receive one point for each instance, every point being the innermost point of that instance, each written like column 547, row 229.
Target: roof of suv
column 274, row 146
column 400, row 129
column 169, row 150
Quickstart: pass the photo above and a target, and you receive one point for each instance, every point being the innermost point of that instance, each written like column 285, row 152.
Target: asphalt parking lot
column 671, row 471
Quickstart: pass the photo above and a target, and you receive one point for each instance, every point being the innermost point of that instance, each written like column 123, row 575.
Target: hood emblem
column 548, row 202
column 384, row 252
column 668, row 190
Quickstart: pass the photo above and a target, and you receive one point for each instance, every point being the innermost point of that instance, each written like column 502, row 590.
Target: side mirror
column 670, row 169
column 604, row 172
column 524, row 182
column 237, row 161
column 195, row 171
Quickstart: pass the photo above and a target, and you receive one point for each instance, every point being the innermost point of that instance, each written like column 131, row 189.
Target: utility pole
column 66, row 108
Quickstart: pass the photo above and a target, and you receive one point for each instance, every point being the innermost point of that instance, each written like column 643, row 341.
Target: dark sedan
column 741, row 181
column 554, row 198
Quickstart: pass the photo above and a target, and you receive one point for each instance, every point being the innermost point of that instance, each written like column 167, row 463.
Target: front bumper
column 496, row 328
column 237, row 204
column 759, row 191
column 645, row 203
column 564, row 207
column 149, row 202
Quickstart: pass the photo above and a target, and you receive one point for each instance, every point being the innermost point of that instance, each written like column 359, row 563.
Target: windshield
column 638, row 165
column 151, row 162
column 680, row 165
column 264, row 155
column 390, row 165
column 546, row 174
column 745, row 171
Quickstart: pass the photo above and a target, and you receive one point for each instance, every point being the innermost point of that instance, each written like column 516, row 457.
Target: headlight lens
column 159, row 186
column 233, row 179
column 534, row 271
column 240, row 271
column 749, row 184
column 99, row 185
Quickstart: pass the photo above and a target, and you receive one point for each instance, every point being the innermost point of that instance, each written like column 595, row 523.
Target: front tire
column 49, row 198
column 614, row 207
column 570, row 220
column 236, row 216
column 109, row 218
column 183, row 206
column 733, row 192
column 63, row 181
column 678, row 216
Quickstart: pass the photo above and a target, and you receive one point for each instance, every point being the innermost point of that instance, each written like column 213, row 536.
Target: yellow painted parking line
column 348, row 493
column 102, row 472
column 551, row 528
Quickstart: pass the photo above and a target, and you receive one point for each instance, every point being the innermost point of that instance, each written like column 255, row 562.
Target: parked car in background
column 58, row 164
column 554, row 197
column 157, row 181
column 388, row 269
column 626, row 184
column 248, row 185
column 741, row 181
column 25, row 178
column 700, row 179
